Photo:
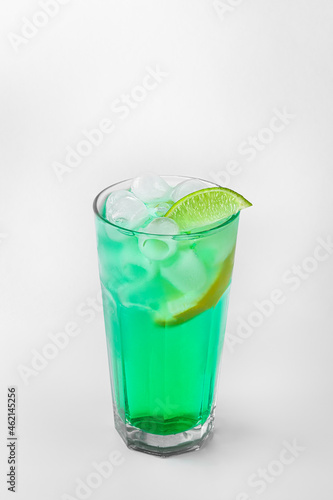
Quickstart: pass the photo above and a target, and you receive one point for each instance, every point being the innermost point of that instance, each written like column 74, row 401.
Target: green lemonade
column 165, row 323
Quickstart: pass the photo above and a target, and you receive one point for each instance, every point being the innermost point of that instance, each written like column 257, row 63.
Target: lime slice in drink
column 187, row 307
column 199, row 209
column 205, row 207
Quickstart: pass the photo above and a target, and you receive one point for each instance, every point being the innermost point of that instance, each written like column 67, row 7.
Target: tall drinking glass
column 165, row 301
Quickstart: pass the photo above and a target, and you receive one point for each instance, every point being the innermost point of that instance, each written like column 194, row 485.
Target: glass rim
column 133, row 232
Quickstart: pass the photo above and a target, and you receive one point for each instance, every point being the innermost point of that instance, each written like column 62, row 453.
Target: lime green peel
column 207, row 206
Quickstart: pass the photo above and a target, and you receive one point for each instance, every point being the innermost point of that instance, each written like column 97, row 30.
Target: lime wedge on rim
column 207, row 206
column 196, row 210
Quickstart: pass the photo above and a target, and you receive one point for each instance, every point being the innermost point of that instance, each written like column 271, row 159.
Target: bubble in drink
column 187, row 187
column 126, row 210
column 151, row 187
column 156, row 248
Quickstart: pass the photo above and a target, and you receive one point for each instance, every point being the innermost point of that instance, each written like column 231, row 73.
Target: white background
column 228, row 69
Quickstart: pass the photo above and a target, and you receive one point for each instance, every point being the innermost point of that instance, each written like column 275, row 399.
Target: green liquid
column 163, row 375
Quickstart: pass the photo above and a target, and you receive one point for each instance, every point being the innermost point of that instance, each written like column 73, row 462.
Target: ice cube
column 148, row 294
column 135, row 267
column 125, row 210
column 159, row 248
column 126, row 266
column 186, row 273
column 137, row 275
column 158, row 209
column 162, row 225
column 151, row 187
column 215, row 247
column 186, row 187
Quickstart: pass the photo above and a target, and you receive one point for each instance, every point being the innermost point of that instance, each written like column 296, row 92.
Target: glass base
column 165, row 446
